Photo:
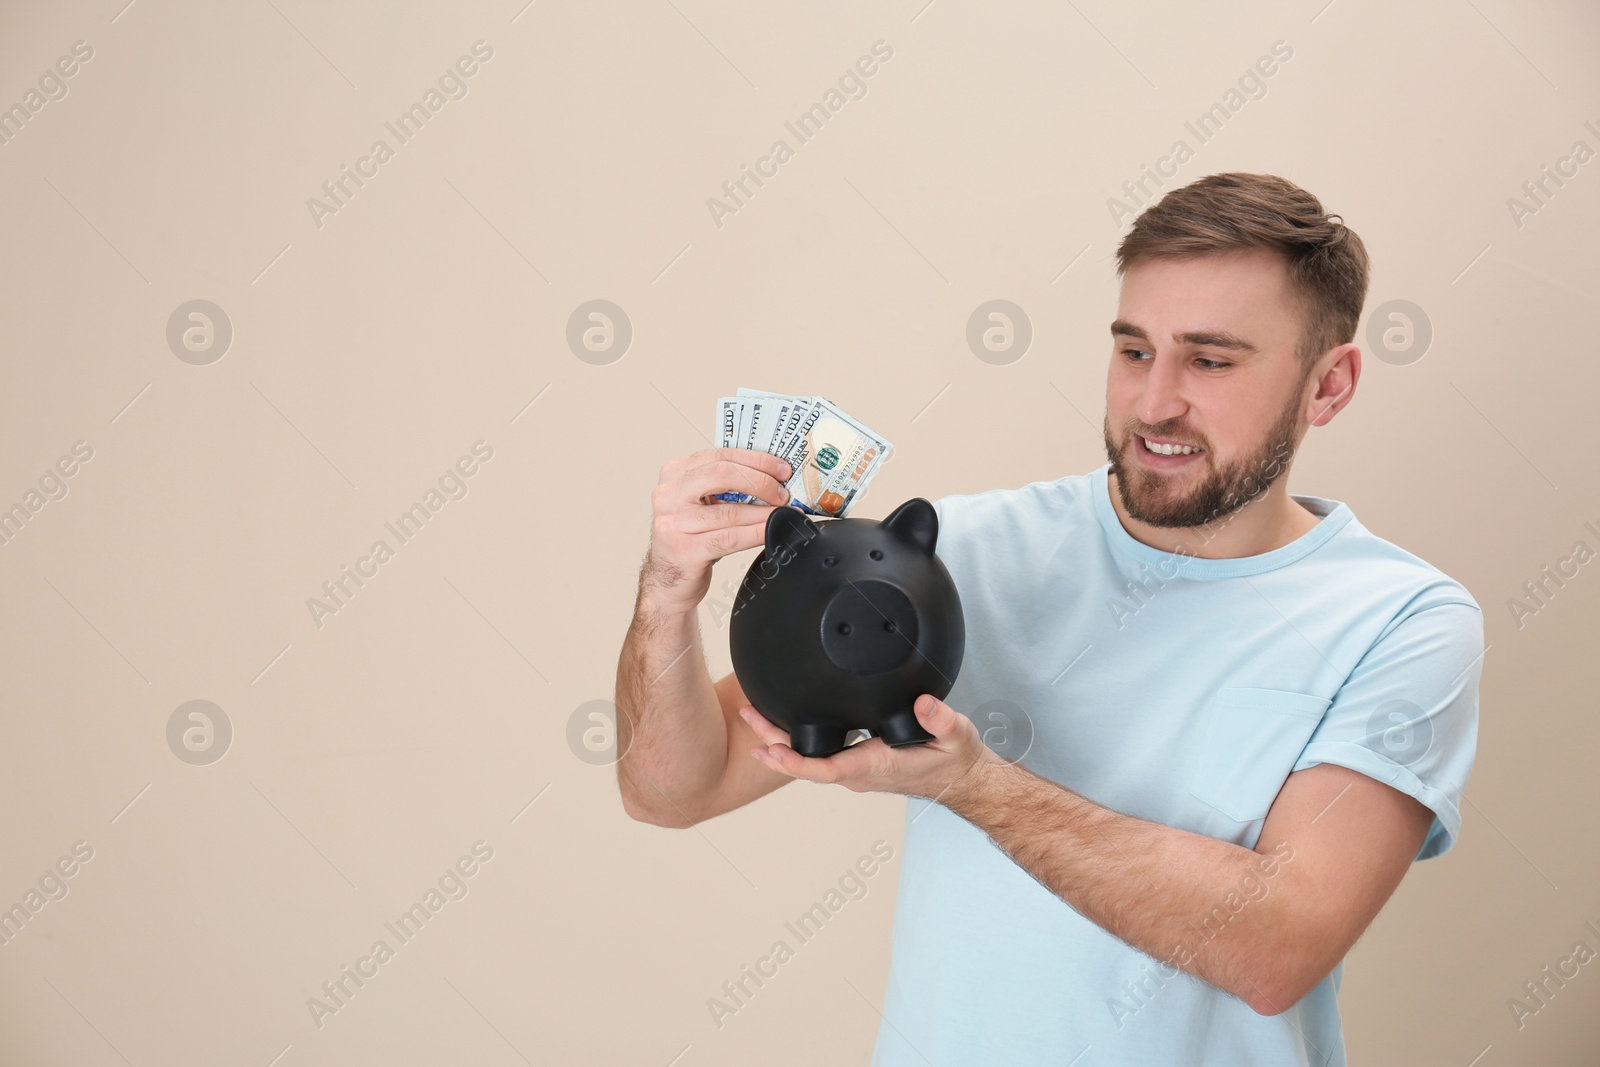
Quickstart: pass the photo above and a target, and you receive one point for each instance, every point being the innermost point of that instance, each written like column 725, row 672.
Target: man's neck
column 1270, row 521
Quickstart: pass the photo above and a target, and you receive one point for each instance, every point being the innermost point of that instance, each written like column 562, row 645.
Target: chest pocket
column 1252, row 737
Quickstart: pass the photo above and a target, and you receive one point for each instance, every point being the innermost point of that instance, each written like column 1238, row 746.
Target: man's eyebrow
column 1208, row 338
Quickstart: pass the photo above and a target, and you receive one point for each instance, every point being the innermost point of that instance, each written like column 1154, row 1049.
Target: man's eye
column 1133, row 355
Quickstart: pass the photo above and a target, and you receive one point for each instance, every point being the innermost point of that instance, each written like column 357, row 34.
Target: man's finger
column 722, row 516
column 935, row 716
column 763, row 727
column 846, row 765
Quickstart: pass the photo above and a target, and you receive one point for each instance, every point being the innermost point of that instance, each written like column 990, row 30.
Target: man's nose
column 1162, row 398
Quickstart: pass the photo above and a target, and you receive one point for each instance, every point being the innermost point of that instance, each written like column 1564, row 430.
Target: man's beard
column 1154, row 497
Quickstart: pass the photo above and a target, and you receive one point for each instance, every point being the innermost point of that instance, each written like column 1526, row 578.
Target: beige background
column 430, row 311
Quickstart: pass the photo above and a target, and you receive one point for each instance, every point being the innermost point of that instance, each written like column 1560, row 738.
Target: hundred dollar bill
column 792, row 409
column 756, row 411
column 833, row 458
column 728, row 413
column 772, row 416
column 760, row 420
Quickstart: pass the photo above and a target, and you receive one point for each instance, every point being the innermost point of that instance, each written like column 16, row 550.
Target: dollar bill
column 728, row 416
column 833, row 456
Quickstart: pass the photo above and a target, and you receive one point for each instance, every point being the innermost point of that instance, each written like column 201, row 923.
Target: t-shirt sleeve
column 1408, row 714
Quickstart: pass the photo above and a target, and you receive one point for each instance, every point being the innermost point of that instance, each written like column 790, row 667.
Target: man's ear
column 1335, row 383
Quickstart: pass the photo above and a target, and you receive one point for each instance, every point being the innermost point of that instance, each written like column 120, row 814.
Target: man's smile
column 1167, row 454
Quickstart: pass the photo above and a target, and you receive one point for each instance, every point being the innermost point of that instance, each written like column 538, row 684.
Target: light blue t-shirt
column 1182, row 691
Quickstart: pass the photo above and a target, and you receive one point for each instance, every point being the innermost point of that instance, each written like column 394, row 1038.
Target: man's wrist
column 664, row 591
column 661, row 603
column 987, row 776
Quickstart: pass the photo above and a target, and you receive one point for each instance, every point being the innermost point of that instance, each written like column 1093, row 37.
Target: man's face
column 1203, row 355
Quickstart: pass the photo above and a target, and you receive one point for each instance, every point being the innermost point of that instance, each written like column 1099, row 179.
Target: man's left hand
column 954, row 760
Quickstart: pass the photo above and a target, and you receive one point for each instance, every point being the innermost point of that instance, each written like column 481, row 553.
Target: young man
column 1249, row 714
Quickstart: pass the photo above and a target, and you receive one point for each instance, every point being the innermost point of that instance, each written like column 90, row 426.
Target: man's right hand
column 691, row 530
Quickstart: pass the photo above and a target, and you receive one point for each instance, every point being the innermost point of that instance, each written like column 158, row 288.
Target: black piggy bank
column 840, row 624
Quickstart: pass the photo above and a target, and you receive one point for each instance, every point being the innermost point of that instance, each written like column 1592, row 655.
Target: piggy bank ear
column 788, row 530
column 916, row 521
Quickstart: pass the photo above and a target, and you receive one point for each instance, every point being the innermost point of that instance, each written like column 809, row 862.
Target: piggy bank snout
column 869, row 626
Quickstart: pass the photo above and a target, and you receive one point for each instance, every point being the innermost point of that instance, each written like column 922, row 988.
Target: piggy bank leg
column 901, row 729
column 811, row 739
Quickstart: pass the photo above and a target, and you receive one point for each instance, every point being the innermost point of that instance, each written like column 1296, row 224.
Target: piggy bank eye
column 829, row 561
column 876, row 553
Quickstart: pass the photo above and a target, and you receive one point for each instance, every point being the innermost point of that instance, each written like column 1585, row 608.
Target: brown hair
column 1223, row 213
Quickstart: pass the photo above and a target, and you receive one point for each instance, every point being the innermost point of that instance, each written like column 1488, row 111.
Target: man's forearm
column 1172, row 894
column 670, row 731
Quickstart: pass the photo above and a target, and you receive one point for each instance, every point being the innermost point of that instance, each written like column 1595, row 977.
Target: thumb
column 935, row 715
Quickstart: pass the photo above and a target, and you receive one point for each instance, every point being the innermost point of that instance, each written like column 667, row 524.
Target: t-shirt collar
column 1335, row 515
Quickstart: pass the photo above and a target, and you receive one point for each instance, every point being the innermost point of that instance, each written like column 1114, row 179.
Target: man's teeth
column 1170, row 450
